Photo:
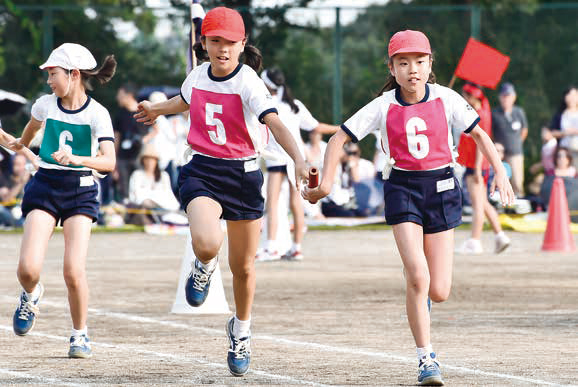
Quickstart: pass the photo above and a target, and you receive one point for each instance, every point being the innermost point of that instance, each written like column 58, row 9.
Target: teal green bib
column 61, row 135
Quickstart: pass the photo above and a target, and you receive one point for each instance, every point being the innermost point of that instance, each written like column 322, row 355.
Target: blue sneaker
column 429, row 373
column 198, row 283
column 80, row 347
column 25, row 315
column 239, row 356
column 429, row 305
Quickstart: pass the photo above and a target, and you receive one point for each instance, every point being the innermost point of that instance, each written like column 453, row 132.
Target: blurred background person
column 510, row 128
column 564, row 124
column 12, row 190
column 150, row 190
column 128, row 140
column 476, row 176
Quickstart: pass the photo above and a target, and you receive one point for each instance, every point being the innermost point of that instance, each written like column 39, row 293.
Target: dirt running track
column 337, row 318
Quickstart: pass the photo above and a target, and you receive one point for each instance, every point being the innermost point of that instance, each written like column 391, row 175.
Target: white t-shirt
column 80, row 131
column 294, row 122
column 418, row 136
column 226, row 112
column 143, row 187
column 569, row 120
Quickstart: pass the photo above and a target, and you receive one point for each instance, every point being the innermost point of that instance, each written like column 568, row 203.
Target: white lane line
column 311, row 345
column 170, row 357
column 36, row 379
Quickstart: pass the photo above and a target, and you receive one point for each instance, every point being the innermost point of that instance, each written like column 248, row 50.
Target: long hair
column 563, row 106
column 391, row 83
column 103, row 74
column 278, row 78
column 251, row 56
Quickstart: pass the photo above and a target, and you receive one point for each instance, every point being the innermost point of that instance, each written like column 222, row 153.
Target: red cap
column 224, row 22
column 408, row 41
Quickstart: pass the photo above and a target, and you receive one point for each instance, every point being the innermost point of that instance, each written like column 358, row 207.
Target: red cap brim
column 229, row 35
column 408, row 50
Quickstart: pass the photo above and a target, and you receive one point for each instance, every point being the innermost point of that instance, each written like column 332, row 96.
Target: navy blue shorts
column 432, row 199
column 226, row 182
column 62, row 194
column 278, row 168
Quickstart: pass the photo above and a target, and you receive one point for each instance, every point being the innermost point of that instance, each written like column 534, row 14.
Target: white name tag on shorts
column 86, row 181
column 251, row 165
column 445, row 185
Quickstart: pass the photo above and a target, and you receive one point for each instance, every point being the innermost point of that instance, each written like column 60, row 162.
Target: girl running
column 422, row 197
column 63, row 189
column 227, row 100
column 295, row 116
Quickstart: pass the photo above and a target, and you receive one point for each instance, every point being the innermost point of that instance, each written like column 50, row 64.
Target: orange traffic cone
column 558, row 236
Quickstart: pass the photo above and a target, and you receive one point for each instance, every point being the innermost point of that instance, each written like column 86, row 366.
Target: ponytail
column 276, row 76
column 103, row 74
column 253, row 57
column 391, row 83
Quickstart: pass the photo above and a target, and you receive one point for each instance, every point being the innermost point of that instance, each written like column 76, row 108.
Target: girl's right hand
column 313, row 195
column 145, row 114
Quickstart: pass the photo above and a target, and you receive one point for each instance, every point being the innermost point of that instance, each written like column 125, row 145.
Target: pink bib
column 418, row 136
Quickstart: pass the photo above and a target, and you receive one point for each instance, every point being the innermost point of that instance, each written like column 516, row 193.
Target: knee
column 440, row 293
column 205, row 249
column 243, row 270
column 27, row 275
column 418, row 281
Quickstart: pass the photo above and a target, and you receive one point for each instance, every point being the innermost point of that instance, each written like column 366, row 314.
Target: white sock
column 34, row 295
column 296, row 247
column 500, row 234
column 79, row 332
column 424, row 352
column 241, row 328
column 209, row 266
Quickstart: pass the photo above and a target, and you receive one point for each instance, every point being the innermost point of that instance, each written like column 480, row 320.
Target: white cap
column 70, row 56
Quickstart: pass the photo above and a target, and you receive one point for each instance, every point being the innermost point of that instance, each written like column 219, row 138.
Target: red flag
column 482, row 64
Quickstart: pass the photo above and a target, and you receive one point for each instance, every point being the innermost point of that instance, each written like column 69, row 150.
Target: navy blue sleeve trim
column 183, row 97
column 262, row 115
column 472, row 126
column 101, row 139
column 349, row 133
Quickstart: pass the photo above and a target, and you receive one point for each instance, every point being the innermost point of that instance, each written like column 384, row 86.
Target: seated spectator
column 564, row 124
column 11, row 192
column 563, row 163
column 150, row 189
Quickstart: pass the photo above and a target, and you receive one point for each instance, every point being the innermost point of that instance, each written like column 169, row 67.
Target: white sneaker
column 266, row 255
column 471, row 246
column 502, row 242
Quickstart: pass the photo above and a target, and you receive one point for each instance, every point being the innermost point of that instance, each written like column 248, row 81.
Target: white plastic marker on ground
column 216, row 302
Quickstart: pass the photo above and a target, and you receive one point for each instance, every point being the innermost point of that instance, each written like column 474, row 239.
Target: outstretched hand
column 301, row 174
column 145, row 114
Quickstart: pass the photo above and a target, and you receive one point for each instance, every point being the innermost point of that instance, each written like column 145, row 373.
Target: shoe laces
column 428, row 364
column 241, row 347
column 27, row 308
column 79, row 341
column 200, row 278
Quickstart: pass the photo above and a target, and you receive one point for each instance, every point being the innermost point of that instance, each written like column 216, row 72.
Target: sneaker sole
column 79, row 356
column 504, row 247
column 432, row 381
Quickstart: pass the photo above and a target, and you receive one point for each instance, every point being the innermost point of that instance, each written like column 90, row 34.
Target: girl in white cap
column 422, row 197
column 63, row 189
column 227, row 102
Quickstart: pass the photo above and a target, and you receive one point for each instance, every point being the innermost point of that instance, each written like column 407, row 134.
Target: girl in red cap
column 228, row 104
column 422, row 197
column 476, row 176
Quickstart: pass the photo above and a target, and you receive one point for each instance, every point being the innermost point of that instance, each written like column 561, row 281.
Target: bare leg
column 409, row 240
column 205, row 225
column 76, row 236
column 296, row 204
column 38, row 229
column 274, row 181
column 439, row 254
column 243, row 242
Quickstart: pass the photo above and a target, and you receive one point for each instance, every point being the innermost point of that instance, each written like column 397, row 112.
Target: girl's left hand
column 502, row 184
column 65, row 158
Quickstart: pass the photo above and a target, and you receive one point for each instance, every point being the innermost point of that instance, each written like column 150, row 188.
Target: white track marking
column 167, row 356
column 37, row 379
column 295, row 343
